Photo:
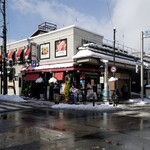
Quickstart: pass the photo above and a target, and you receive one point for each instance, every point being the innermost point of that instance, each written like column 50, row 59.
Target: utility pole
column 4, row 48
column 114, row 33
column 142, row 78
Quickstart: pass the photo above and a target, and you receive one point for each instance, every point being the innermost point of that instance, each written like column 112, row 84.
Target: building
column 71, row 52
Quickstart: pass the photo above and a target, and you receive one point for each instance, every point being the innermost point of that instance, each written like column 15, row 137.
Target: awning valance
column 53, row 67
column 27, row 53
column 19, row 53
column 59, row 75
column 10, row 54
column 31, row 77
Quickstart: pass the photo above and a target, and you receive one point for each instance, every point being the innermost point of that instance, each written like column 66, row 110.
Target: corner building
column 68, row 52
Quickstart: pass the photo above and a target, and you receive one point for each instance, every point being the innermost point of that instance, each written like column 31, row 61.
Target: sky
column 129, row 17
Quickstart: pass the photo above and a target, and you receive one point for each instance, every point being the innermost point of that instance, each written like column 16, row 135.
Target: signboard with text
column 34, row 49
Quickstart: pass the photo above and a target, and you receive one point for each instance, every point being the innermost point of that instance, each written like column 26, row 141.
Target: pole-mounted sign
column 113, row 69
column 146, row 33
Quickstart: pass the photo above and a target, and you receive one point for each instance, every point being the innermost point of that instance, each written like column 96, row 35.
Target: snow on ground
column 138, row 101
column 12, row 98
column 88, row 106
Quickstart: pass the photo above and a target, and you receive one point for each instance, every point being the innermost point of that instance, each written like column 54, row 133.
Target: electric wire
column 108, row 9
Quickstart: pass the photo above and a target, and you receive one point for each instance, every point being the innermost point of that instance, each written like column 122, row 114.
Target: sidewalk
column 88, row 106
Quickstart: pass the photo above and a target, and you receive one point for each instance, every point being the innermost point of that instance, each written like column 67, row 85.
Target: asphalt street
column 41, row 128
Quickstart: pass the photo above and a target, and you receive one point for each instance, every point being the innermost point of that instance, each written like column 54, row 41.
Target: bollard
column 93, row 101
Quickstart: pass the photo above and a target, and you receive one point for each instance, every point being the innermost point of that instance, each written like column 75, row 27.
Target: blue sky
column 129, row 17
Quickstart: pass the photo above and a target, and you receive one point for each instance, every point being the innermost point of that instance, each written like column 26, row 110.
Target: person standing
column 40, row 87
column 74, row 94
column 124, row 91
column 56, row 91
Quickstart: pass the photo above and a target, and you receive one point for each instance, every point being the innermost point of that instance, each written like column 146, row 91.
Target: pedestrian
column 124, row 91
column 40, row 87
column 74, row 94
column 56, row 91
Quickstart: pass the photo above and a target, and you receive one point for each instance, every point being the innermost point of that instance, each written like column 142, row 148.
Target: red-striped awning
column 27, row 53
column 10, row 54
column 19, row 53
column 31, row 77
column 59, row 75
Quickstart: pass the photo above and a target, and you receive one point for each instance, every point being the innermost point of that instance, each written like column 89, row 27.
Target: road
column 6, row 106
column 47, row 129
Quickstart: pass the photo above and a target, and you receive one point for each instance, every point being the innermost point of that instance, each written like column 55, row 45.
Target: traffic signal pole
column 4, row 48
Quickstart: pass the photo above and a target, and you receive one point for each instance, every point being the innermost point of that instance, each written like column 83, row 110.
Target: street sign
column 113, row 69
column 33, row 63
column 147, row 33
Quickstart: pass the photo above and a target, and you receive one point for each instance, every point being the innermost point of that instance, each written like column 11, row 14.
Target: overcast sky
column 129, row 17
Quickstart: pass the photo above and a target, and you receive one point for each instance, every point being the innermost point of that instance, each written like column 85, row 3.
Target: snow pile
column 88, row 107
column 138, row 101
column 39, row 80
column 13, row 98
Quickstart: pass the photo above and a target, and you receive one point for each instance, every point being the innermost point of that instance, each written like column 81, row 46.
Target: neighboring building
column 71, row 51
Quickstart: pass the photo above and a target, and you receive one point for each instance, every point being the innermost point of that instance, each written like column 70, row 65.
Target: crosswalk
column 8, row 106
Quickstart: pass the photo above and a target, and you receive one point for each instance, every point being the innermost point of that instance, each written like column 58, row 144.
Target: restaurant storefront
column 79, row 76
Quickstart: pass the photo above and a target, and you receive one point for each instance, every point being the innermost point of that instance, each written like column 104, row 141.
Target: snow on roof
column 88, row 53
column 60, row 65
column 85, row 53
column 112, row 79
column 146, row 64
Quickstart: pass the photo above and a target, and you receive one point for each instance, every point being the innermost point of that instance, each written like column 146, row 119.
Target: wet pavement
column 46, row 129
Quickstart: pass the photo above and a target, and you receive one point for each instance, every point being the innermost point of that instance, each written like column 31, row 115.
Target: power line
column 109, row 14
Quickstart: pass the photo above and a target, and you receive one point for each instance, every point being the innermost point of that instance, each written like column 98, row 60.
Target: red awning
column 27, row 52
column 10, row 54
column 31, row 77
column 19, row 53
column 59, row 75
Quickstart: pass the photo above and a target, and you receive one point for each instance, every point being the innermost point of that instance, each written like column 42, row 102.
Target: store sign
column 33, row 63
column 101, row 79
column 34, row 49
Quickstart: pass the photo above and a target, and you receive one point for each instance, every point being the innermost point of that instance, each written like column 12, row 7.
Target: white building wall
column 74, row 36
column 80, row 34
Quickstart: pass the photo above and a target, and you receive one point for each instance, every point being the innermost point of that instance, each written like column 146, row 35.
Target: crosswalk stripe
column 16, row 105
column 2, row 109
column 7, row 106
